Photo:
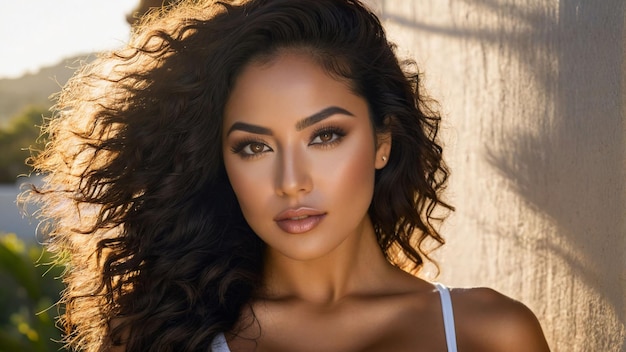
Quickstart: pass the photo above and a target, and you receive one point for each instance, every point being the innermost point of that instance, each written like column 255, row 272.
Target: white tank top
column 219, row 343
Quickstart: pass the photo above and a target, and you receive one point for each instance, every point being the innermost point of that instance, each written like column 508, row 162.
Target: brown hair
column 159, row 255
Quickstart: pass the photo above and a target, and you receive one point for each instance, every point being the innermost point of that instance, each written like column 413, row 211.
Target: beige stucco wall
column 534, row 98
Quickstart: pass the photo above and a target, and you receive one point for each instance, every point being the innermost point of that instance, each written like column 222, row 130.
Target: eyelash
column 336, row 133
column 239, row 147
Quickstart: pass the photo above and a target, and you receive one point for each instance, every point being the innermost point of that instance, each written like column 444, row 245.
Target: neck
column 356, row 267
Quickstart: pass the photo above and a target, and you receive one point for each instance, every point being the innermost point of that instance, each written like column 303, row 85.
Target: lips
column 299, row 220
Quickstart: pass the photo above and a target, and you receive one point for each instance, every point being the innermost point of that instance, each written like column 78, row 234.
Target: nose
column 293, row 175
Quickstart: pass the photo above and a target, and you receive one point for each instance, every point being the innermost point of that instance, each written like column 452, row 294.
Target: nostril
column 293, row 178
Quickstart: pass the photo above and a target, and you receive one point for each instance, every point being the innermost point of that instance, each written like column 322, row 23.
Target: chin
column 303, row 253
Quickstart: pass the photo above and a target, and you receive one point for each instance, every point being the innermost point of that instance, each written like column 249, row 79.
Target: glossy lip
column 299, row 220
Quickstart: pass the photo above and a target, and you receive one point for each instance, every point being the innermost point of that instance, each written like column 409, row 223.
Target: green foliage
column 28, row 295
column 20, row 135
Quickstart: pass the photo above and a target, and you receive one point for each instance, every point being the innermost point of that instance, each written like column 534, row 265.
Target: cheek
column 349, row 176
column 251, row 185
column 352, row 172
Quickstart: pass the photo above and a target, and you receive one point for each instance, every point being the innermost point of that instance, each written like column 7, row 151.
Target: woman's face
column 300, row 153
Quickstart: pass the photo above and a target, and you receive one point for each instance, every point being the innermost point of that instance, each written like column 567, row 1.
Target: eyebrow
column 240, row 126
column 319, row 116
column 300, row 125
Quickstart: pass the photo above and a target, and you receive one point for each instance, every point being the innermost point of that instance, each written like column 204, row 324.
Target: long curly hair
column 136, row 199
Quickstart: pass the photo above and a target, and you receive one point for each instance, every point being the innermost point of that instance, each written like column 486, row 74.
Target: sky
column 39, row 33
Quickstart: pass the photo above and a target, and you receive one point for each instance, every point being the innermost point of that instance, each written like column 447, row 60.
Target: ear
column 383, row 149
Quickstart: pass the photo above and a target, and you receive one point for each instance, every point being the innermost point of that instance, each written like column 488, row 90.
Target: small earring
column 384, row 158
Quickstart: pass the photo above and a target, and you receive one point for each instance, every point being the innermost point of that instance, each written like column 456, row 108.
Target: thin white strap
column 219, row 344
column 448, row 316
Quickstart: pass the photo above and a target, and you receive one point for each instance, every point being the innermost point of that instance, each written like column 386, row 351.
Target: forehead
column 290, row 85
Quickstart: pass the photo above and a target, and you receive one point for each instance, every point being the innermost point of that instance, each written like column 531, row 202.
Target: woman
column 256, row 176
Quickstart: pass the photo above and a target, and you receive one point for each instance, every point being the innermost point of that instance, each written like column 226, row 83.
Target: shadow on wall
column 571, row 169
column 574, row 171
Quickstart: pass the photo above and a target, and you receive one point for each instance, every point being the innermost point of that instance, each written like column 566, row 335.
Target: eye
column 248, row 148
column 255, row 148
column 327, row 136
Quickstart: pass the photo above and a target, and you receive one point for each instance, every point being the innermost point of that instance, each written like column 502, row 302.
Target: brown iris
column 326, row 137
column 257, row 147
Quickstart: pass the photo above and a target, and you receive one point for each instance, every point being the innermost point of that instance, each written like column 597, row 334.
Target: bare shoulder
column 487, row 320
